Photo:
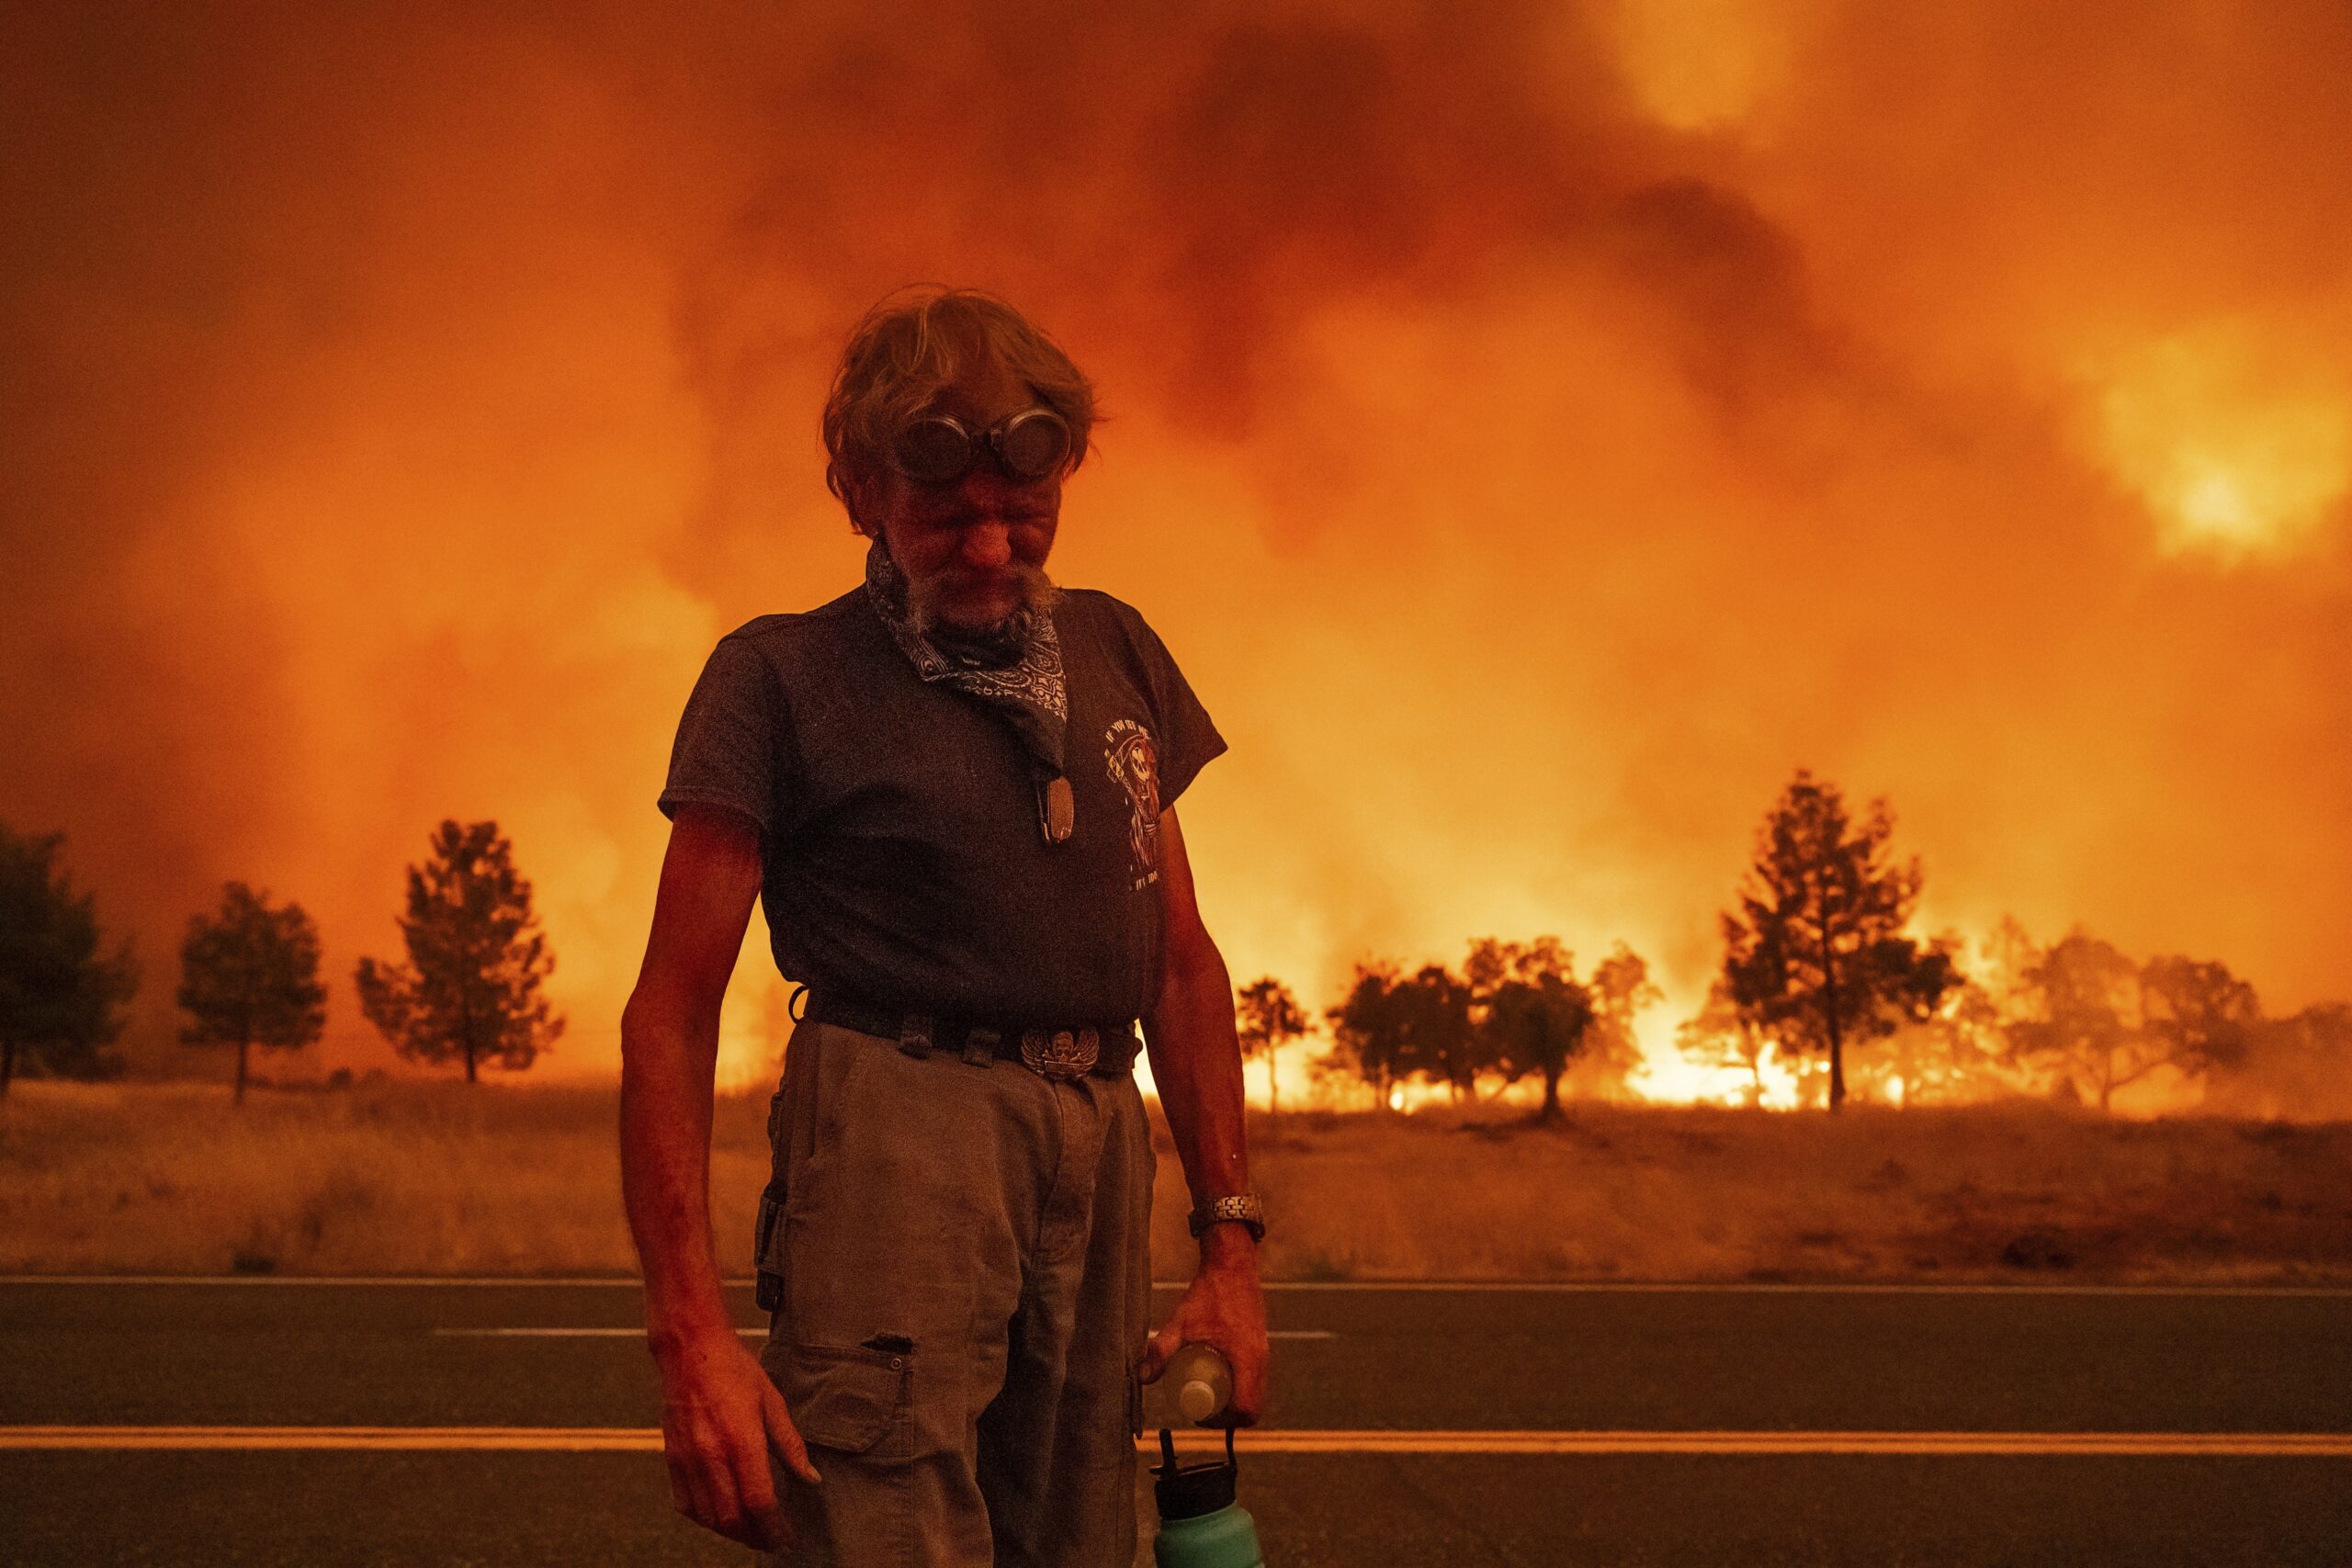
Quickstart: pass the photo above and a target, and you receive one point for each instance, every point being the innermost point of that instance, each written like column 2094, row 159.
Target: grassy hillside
column 437, row 1179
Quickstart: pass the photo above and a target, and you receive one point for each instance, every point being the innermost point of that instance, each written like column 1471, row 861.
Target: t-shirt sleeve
column 733, row 746
column 1188, row 737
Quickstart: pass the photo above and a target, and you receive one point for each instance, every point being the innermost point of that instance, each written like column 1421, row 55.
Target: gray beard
column 1033, row 591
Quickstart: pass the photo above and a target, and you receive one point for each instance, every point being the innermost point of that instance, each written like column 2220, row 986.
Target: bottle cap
column 1188, row 1494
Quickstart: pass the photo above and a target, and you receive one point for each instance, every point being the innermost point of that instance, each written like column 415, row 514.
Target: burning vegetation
column 1820, row 993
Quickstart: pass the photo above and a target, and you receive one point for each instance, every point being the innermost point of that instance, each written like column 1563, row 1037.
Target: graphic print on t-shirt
column 1133, row 763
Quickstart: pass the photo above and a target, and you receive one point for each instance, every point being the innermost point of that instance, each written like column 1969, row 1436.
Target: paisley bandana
column 1016, row 670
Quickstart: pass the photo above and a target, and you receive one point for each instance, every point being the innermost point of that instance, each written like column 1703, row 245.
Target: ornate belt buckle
column 1064, row 1054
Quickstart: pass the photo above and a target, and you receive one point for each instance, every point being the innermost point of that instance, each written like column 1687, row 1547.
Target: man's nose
column 987, row 544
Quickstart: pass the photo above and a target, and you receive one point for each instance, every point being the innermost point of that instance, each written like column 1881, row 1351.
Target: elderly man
column 953, row 786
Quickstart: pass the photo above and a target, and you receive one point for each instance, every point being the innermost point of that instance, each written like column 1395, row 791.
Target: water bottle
column 1193, row 1388
column 1201, row 1526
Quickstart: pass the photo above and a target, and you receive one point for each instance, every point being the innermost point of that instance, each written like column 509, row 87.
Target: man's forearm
column 666, row 1074
column 1196, row 1065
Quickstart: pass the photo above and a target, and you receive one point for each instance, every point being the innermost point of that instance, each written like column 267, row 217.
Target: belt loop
column 980, row 1046
column 914, row 1035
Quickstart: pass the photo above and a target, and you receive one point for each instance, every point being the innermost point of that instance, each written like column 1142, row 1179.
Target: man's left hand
column 1224, row 1306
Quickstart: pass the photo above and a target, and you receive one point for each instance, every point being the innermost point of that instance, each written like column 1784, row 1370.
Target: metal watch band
column 1242, row 1206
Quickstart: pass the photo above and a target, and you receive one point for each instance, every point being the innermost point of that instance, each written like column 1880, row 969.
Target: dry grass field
column 439, row 1179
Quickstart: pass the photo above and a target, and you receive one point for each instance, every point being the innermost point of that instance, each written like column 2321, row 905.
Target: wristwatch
column 1245, row 1207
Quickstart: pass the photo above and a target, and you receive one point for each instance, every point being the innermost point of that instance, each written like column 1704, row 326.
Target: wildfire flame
column 1535, row 432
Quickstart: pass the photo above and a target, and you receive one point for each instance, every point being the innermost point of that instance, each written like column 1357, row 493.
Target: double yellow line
column 1275, row 1441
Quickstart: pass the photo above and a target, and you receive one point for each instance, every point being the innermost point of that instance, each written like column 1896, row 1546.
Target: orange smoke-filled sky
column 1537, row 433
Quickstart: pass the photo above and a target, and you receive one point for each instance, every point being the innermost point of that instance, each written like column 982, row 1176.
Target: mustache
column 1032, row 589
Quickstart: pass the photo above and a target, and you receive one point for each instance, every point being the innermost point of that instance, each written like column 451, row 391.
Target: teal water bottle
column 1201, row 1525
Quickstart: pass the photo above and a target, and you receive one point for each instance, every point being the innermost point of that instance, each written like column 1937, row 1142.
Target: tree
column 471, row 988
column 249, row 976
column 1439, row 1043
column 2198, row 1015
column 1816, row 956
column 1622, row 990
column 1954, row 1055
column 61, row 1002
column 2085, row 1018
column 2299, row 1067
column 1267, row 1017
column 1720, row 1035
column 2102, row 1022
column 1535, row 1017
column 1368, row 1034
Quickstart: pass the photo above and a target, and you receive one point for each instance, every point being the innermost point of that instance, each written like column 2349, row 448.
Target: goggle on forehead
column 939, row 449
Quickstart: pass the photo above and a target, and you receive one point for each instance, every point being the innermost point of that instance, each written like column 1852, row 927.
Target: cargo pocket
column 767, row 1248
column 855, row 1398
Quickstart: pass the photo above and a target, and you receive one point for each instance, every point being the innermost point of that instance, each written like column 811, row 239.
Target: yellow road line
column 605, row 1333
column 1654, row 1442
column 1268, row 1440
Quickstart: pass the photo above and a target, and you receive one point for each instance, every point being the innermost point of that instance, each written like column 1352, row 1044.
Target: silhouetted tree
column 471, row 988
column 1533, row 1015
column 1816, row 956
column 1622, row 990
column 2295, row 1066
column 2198, row 1017
column 2103, row 1023
column 2084, row 1027
column 1440, row 1044
column 249, row 976
column 1720, row 1035
column 1953, row 1054
column 1267, row 1017
column 1368, row 1031
column 61, row 1001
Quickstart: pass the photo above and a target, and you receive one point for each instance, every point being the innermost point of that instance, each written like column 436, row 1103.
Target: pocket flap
column 844, row 1397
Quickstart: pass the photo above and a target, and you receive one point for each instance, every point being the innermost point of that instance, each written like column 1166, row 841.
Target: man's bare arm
column 669, row 1058
column 721, row 1413
column 1196, row 1065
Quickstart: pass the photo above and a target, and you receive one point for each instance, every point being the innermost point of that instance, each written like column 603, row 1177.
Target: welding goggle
column 939, row 449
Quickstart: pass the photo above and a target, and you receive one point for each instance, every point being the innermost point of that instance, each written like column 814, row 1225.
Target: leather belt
column 1066, row 1052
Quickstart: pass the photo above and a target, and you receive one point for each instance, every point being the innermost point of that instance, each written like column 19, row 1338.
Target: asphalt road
column 508, row 1424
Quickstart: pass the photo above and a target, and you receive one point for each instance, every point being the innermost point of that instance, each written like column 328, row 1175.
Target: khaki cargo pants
column 966, row 1285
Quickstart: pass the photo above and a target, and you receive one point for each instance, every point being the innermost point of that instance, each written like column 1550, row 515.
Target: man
column 953, row 788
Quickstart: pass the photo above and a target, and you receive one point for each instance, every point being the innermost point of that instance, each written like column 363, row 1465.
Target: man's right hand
column 720, row 1415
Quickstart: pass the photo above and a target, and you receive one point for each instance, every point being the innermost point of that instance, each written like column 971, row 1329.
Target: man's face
column 974, row 550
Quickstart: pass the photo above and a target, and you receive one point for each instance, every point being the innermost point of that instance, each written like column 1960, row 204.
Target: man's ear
column 858, row 495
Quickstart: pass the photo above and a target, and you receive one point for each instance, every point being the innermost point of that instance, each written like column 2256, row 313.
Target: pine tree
column 59, row 1000
column 1816, row 956
column 249, row 976
column 476, row 959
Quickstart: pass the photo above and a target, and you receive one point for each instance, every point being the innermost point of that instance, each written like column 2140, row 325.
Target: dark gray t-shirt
column 898, row 818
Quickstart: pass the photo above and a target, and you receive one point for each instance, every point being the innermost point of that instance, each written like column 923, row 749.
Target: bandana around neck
column 1016, row 670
